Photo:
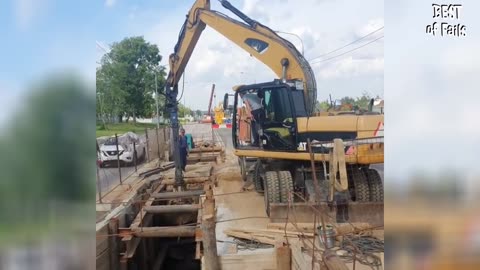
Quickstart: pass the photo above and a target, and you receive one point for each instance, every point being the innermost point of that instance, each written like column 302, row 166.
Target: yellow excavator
column 279, row 159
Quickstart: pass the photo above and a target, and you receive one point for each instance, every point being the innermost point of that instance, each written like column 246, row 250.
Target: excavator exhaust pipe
column 284, row 63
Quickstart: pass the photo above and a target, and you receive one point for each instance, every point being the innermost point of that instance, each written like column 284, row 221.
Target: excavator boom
column 258, row 40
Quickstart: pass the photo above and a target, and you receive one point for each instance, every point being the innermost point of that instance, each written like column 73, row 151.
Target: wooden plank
column 206, row 149
column 114, row 249
column 163, row 209
column 198, row 236
column 131, row 247
column 174, row 231
column 298, row 227
column 248, row 261
column 102, row 240
column 201, row 159
column 103, row 260
column 195, row 180
column 262, row 239
column 283, row 258
column 208, row 230
column 298, row 259
column 141, row 214
column 301, row 260
column 307, row 228
column 273, row 232
column 142, row 218
column 178, row 195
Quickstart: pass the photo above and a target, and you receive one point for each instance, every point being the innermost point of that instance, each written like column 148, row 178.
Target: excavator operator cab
column 266, row 116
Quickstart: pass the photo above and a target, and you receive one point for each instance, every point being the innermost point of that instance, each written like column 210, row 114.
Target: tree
column 126, row 77
column 183, row 111
column 363, row 101
column 110, row 97
column 347, row 101
column 323, row 106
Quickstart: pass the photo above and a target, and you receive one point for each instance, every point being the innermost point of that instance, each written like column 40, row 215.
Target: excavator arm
column 258, row 40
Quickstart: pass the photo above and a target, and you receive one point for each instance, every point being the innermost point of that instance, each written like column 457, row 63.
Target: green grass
column 121, row 128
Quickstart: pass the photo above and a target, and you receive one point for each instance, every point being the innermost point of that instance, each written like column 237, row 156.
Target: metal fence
column 118, row 162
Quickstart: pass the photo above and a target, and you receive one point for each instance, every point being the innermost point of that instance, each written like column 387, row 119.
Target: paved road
column 226, row 136
column 110, row 177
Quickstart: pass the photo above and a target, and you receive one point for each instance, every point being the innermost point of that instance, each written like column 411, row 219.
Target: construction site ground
column 249, row 205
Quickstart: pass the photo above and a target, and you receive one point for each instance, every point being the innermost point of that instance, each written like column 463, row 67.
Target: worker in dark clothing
column 183, row 145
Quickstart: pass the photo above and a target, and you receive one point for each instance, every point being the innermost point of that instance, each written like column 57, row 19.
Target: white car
column 108, row 150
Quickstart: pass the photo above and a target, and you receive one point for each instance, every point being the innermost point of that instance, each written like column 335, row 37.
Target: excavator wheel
column 286, row 185
column 257, row 177
column 361, row 189
column 272, row 190
column 375, row 184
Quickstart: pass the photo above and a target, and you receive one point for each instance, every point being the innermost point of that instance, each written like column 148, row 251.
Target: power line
column 347, row 51
column 367, row 35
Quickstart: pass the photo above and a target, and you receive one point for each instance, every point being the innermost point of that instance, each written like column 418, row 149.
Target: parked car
column 108, row 150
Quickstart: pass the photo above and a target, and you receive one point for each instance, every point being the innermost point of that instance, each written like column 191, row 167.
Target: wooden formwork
column 121, row 247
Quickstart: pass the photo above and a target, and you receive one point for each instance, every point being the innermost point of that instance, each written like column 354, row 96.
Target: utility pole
column 156, row 100
column 183, row 89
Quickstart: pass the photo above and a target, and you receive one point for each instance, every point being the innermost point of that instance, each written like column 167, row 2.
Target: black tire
column 286, row 185
column 257, row 177
column 375, row 185
column 272, row 190
column 360, row 184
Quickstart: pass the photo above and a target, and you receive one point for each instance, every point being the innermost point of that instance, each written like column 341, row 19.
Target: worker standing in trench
column 183, row 148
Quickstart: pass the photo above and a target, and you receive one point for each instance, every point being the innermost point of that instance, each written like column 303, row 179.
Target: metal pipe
column 158, row 145
column 135, row 156
column 99, row 187
column 284, row 63
column 147, row 151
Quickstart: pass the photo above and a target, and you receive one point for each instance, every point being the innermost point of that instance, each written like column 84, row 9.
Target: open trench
column 167, row 252
column 158, row 232
column 175, row 252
